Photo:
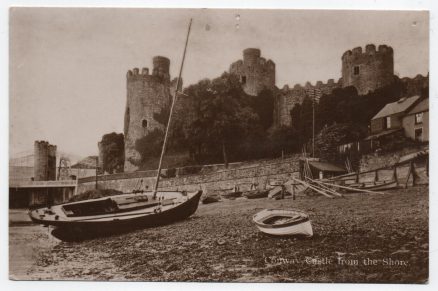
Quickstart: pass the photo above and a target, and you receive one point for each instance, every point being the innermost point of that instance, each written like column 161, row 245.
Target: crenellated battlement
column 370, row 50
column 369, row 69
column 135, row 74
column 318, row 85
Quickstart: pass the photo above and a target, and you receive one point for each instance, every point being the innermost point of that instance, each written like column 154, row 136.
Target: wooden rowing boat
column 232, row 195
column 373, row 186
column 118, row 213
column 210, row 199
column 283, row 222
column 255, row 194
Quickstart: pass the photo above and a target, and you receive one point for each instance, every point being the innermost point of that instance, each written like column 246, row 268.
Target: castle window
column 144, row 124
column 356, row 70
column 243, row 79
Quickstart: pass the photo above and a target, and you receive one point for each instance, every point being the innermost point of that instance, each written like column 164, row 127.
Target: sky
column 68, row 65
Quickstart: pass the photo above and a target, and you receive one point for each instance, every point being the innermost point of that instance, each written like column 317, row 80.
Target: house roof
column 383, row 133
column 323, row 166
column 396, row 107
column 422, row 106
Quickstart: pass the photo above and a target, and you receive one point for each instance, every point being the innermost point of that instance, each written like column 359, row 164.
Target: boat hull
column 378, row 187
column 122, row 222
column 255, row 194
column 303, row 229
column 295, row 223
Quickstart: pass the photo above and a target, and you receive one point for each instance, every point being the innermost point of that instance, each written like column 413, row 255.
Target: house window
column 356, row 70
column 419, row 118
column 387, row 121
column 243, row 79
column 419, row 134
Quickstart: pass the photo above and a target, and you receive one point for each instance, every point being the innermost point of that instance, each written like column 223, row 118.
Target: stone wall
column 375, row 161
column 222, row 180
column 286, row 98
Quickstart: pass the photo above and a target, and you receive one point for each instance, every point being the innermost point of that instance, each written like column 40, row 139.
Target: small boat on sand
column 283, row 222
column 255, row 194
column 232, row 195
column 210, row 199
column 374, row 186
column 118, row 213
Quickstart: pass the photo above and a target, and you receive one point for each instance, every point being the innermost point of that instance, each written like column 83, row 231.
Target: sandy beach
column 358, row 238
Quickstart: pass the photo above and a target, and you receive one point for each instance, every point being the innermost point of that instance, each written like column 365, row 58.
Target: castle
column 366, row 70
column 148, row 94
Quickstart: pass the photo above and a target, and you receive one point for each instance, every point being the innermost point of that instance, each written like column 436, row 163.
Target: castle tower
column 368, row 70
column 44, row 161
column 147, row 95
column 254, row 72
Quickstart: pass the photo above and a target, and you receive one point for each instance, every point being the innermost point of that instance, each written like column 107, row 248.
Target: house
column 390, row 118
column 416, row 121
column 407, row 117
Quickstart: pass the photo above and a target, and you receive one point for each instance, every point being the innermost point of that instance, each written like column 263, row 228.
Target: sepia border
column 431, row 5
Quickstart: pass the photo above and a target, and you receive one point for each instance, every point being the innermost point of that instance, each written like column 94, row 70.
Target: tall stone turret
column 368, row 70
column 254, row 72
column 147, row 94
column 44, row 161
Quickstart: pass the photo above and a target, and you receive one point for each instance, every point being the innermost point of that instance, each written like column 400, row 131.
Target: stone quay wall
column 222, row 180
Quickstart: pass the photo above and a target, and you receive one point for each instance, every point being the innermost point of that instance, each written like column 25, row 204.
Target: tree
column 112, row 147
column 224, row 120
column 330, row 137
column 149, row 146
column 263, row 105
column 284, row 139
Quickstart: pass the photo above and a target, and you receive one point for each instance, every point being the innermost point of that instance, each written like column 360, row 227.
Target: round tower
column 254, row 72
column 368, row 70
column 51, row 162
column 147, row 96
column 44, row 168
column 41, row 161
column 161, row 67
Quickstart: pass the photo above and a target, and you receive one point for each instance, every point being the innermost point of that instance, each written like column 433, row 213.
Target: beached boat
column 374, row 186
column 255, row 194
column 210, row 199
column 232, row 195
column 122, row 212
column 283, row 222
column 119, row 213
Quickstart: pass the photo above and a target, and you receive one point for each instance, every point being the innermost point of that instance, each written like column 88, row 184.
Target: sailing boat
column 123, row 212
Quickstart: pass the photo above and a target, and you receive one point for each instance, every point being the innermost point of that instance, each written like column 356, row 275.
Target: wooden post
column 293, row 191
column 409, row 174
column 357, row 177
column 376, row 176
column 395, row 175
column 414, row 174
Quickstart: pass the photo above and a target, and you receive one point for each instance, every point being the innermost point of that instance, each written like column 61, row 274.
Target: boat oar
column 325, row 187
column 313, row 188
column 351, row 188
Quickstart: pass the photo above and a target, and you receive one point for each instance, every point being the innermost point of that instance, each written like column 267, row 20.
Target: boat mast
column 163, row 150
